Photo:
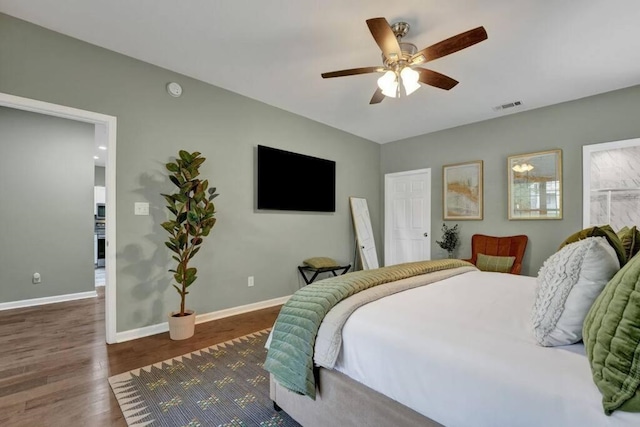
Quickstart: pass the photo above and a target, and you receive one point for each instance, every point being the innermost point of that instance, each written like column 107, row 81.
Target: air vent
column 507, row 106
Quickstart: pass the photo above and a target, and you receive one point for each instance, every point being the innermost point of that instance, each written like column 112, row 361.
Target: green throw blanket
column 290, row 356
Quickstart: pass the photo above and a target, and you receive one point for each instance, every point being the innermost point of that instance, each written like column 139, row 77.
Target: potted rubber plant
column 192, row 216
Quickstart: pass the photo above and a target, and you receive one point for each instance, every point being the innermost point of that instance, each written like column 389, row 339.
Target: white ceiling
column 537, row 52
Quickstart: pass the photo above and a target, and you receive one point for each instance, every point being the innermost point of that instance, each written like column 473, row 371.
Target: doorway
column 407, row 213
column 105, row 134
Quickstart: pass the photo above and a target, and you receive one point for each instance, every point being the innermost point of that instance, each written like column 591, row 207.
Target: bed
column 455, row 352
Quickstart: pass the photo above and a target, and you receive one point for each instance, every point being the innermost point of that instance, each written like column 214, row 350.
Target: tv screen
column 295, row 182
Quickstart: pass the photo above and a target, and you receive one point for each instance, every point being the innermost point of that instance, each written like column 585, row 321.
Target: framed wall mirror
column 535, row 185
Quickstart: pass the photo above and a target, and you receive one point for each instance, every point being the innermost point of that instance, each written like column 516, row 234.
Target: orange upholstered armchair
column 499, row 246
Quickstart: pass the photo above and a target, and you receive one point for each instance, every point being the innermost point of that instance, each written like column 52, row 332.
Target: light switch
column 141, row 208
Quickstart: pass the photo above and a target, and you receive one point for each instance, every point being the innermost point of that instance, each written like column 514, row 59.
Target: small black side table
column 316, row 271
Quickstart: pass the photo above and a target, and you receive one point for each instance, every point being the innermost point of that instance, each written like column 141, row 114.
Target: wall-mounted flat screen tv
column 295, row 182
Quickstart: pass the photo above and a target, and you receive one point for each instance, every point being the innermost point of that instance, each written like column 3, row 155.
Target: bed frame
column 342, row 401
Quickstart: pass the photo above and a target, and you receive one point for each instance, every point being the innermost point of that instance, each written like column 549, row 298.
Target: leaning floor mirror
column 365, row 243
column 611, row 184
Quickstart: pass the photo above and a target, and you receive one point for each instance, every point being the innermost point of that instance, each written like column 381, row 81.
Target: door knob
column 426, row 234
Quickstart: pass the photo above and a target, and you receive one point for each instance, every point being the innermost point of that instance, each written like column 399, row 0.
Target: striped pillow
column 500, row 264
column 320, row 262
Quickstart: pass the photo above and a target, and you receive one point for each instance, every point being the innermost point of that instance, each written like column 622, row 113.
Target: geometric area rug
column 223, row 385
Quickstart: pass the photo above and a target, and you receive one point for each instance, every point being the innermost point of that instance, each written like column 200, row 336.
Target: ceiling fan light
column 392, row 90
column 408, row 74
column 389, row 84
column 410, row 80
column 410, row 87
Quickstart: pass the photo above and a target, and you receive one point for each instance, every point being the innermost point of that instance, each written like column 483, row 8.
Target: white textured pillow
column 569, row 281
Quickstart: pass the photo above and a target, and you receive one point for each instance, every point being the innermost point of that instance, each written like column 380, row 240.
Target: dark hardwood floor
column 54, row 362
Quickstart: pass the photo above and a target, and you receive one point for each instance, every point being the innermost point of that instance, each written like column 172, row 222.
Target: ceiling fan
column 401, row 59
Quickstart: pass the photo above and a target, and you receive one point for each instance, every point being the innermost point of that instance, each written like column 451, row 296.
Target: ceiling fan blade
column 377, row 97
column 450, row 45
column 433, row 78
column 383, row 35
column 352, row 72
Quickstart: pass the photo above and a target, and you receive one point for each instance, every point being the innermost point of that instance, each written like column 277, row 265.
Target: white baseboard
column 200, row 318
column 46, row 300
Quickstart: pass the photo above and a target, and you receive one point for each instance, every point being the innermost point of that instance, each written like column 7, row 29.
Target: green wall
column 226, row 127
column 46, row 207
column 608, row 117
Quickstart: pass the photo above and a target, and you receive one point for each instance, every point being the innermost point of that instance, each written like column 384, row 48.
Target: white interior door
column 407, row 201
column 364, row 233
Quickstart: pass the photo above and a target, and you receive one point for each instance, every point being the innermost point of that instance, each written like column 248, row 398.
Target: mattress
column 461, row 352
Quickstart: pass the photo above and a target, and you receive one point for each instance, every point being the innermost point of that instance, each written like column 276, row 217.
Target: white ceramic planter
column 181, row 328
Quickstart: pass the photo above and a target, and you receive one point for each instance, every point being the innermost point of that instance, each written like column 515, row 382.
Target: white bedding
column 461, row 352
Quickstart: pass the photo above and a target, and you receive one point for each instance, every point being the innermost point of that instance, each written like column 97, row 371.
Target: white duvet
column 461, row 352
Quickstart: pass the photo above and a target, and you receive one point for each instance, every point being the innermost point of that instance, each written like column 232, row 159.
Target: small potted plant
column 450, row 239
column 191, row 219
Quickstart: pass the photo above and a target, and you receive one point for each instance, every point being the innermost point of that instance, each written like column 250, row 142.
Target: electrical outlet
column 250, row 281
column 36, row 278
column 141, row 208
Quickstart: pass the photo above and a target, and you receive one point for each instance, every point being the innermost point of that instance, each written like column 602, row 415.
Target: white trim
column 106, row 131
column 586, row 171
column 200, row 318
column 46, row 300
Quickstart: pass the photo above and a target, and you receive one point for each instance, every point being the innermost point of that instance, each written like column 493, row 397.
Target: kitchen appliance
column 100, row 242
column 101, row 211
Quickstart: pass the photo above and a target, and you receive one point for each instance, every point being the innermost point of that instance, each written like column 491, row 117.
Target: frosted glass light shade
column 389, row 84
column 410, row 80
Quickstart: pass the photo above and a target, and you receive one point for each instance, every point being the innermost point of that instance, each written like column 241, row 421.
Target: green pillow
column 603, row 230
column 622, row 232
column 320, row 262
column 630, row 241
column 501, row 264
column 611, row 334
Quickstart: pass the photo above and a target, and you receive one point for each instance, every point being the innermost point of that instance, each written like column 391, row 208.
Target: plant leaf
column 193, row 252
column 184, row 155
column 168, row 226
column 193, row 218
column 172, row 247
column 197, row 162
column 172, row 167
